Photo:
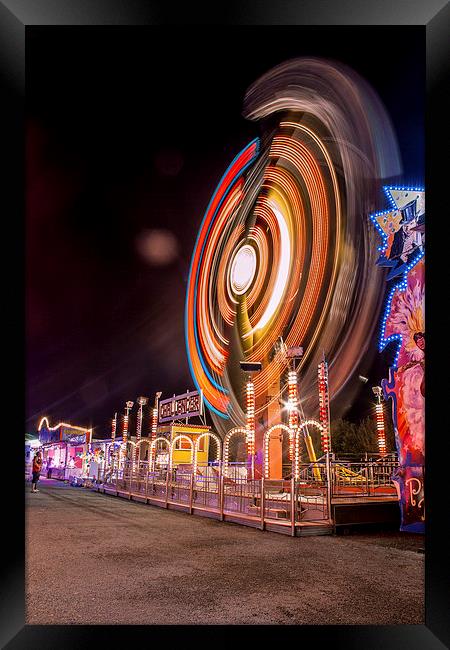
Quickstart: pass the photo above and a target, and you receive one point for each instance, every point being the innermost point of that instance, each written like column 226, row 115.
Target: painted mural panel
column 404, row 324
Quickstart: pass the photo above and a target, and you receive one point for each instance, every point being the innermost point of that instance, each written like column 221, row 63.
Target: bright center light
column 282, row 272
column 243, row 269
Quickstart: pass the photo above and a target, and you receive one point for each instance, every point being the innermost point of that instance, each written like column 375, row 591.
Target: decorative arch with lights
column 153, row 445
column 172, row 447
column 217, row 440
column 268, row 433
column 226, row 442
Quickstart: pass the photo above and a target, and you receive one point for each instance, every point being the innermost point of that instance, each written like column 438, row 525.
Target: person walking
column 37, row 466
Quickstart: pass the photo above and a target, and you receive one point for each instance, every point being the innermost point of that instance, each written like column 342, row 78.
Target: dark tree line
column 361, row 437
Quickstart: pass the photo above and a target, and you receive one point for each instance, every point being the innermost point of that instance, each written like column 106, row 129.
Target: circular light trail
column 243, row 269
column 284, row 246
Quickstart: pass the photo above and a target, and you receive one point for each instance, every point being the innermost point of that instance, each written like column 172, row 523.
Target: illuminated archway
column 127, row 450
column 226, row 442
column 267, row 435
column 144, row 441
column 152, row 458
column 310, row 448
column 197, row 444
column 172, row 446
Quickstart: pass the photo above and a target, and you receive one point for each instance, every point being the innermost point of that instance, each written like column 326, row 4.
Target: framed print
column 219, row 261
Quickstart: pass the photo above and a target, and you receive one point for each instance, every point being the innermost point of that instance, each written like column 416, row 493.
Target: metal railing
column 230, row 491
column 371, row 478
column 206, row 486
column 225, row 494
column 313, row 491
column 241, row 495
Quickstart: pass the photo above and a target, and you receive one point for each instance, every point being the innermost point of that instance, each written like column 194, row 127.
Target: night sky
column 130, row 130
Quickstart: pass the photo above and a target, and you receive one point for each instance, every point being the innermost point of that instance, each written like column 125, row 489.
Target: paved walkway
column 96, row 559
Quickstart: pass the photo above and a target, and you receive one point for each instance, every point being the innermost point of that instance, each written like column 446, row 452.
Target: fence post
column 371, row 478
column 262, row 502
column 293, row 502
column 146, row 484
column 191, row 491
column 129, row 484
column 117, row 481
column 167, row 486
column 329, row 484
column 220, row 490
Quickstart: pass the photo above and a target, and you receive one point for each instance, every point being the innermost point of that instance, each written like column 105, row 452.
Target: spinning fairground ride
column 282, row 269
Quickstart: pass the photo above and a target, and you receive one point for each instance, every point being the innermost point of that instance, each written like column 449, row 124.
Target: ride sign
column 181, row 407
column 73, row 435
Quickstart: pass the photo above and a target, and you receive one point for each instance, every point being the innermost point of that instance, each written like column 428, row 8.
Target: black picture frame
column 16, row 17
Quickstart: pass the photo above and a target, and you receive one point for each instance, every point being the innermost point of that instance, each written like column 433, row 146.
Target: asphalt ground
column 98, row 559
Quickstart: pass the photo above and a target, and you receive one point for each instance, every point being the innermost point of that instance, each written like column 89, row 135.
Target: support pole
column 329, row 484
column 191, row 493
column 221, row 492
column 371, row 480
column 381, row 435
column 146, row 485
column 131, row 466
column 167, row 485
column 142, row 401
column 154, row 430
column 293, row 500
column 263, row 499
column 65, row 459
column 250, row 425
column 324, row 404
column 293, row 410
column 128, row 407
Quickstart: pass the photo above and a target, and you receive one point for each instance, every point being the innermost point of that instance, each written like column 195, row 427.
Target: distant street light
column 142, row 401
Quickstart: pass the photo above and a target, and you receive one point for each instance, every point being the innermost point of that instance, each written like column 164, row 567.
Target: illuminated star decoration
column 402, row 253
column 401, row 229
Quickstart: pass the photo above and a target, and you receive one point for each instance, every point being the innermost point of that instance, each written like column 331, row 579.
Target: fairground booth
column 65, row 449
